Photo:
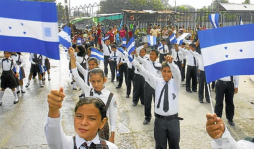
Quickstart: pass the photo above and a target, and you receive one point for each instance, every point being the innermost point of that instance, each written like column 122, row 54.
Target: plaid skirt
column 104, row 132
column 8, row 80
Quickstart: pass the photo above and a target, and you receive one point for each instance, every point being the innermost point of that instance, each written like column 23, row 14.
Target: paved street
column 22, row 125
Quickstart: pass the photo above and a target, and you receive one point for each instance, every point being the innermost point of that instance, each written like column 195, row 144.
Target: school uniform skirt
column 22, row 74
column 104, row 132
column 8, row 80
column 47, row 64
column 35, row 68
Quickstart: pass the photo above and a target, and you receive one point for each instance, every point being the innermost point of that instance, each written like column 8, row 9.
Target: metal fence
column 89, row 10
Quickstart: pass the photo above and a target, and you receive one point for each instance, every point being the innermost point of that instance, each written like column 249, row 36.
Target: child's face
column 113, row 49
column 97, row 81
column 87, row 121
column 7, row 54
column 142, row 53
column 92, row 65
column 107, row 42
column 153, row 56
column 166, row 73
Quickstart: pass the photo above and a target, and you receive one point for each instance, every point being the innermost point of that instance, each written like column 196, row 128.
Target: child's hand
column 169, row 58
column 215, row 127
column 17, row 75
column 71, row 52
column 55, row 99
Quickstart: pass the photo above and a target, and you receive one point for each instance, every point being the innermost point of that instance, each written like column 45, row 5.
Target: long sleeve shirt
column 121, row 58
column 235, row 80
column 112, row 110
column 158, row 83
column 200, row 60
column 190, row 61
column 32, row 56
column 85, row 73
column 57, row 139
column 106, row 49
column 19, row 58
column 174, row 55
column 8, row 65
column 165, row 51
column 149, row 65
column 228, row 142
column 115, row 55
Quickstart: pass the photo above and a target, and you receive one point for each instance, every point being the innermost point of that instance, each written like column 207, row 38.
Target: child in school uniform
column 47, row 68
column 73, row 82
column 8, row 78
column 163, row 51
column 153, row 67
column 113, row 62
column 97, row 79
column 106, row 52
column 122, row 68
column 166, row 125
column 90, row 117
column 36, row 60
column 20, row 62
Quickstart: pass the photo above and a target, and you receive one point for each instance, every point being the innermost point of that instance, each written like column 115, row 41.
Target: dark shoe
column 232, row 123
column 23, row 92
column 27, row 85
column 1, row 103
column 71, row 82
column 18, row 92
column 81, row 95
column 49, row 78
column 41, row 85
column 15, row 102
column 74, row 88
column 189, row 91
column 118, row 87
column 127, row 96
column 146, row 122
column 134, row 104
column 201, row 101
column 112, row 80
column 208, row 101
column 43, row 79
column 195, row 91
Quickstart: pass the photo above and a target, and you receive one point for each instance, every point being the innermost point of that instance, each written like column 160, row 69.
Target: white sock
column 40, row 81
column 18, row 88
column 49, row 75
column 1, row 96
column 15, row 95
column 28, row 81
column 74, row 85
column 21, row 86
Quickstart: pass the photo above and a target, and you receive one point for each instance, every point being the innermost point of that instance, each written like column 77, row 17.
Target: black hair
column 93, row 59
column 97, row 102
column 19, row 53
column 164, row 64
column 89, row 48
column 163, row 39
column 97, row 71
column 143, row 49
column 113, row 46
column 74, row 46
column 183, row 43
column 156, row 52
column 81, row 51
column 7, row 52
column 193, row 45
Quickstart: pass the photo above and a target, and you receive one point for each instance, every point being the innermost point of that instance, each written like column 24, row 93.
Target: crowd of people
column 156, row 74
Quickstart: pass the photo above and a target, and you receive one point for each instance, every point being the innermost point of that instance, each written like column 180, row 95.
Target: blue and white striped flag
column 97, row 54
column 79, row 41
column 240, row 20
column 65, row 37
column 151, row 40
column 106, row 38
column 181, row 38
column 29, row 27
column 172, row 38
column 131, row 45
column 124, row 42
column 214, row 18
column 230, row 54
column 160, row 46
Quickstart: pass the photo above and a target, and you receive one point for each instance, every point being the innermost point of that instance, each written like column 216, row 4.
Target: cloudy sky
column 194, row 3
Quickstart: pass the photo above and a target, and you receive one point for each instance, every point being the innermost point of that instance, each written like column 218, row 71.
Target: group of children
column 13, row 72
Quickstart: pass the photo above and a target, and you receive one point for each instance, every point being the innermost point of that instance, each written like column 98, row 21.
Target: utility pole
column 67, row 13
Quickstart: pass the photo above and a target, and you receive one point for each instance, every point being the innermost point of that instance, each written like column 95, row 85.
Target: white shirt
column 106, row 49
column 114, row 55
column 158, row 83
column 112, row 109
column 235, row 79
column 121, row 58
column 6, row 65
column 57, row 139
column 165, row 48
column 228, row 142
column 190, row 61
column 38, row 55
column 148, row 65
column 20, row 58
column 174, row 55
column 84, row 72
column 80, row 59
column 200, row 60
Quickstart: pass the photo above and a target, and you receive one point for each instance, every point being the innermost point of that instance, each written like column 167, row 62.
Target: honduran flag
column 79, row 41
column 227, row 51
column 160, row 46
column 65, row 37
column 151, row 40
column 172, row 38
column 131, row 45
column 27, row 26
column 97, row 54
column 124, row 42
column 214, row 18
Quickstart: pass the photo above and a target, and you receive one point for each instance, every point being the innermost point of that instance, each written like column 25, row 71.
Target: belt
column 226, row 82
column 168, row 117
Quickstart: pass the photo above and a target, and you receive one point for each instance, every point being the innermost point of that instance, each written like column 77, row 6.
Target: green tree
column 246, row 2
column 60, row 11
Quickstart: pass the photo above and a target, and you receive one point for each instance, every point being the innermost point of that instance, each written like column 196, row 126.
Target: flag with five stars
column 227, row 51
column 29, row 27
column 65, row 37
